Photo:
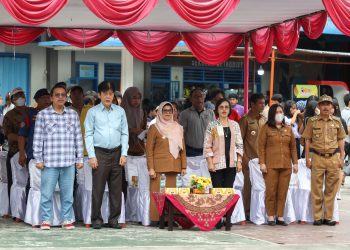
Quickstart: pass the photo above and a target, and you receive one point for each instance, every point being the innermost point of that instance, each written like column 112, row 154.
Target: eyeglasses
column 167, row 111
column 60, row 95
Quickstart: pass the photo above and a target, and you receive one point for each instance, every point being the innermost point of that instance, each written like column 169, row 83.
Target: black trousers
column 223, row 178
column 109, row 171
column 9, row 172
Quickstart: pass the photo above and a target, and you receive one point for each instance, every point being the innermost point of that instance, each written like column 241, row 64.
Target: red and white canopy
column 150, row 29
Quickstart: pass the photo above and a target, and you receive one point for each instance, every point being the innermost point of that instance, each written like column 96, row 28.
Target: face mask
column 279, row 118
column 317, row 111
column 20, row 102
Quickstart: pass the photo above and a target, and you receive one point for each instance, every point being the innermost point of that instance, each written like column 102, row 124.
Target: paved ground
column 21, row 236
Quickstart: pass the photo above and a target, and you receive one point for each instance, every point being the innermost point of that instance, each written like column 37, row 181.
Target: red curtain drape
column 121, row 12
column 203, row 13
column 19, row 36
column 80, row 37
column 33, row 12
column 149, row 46
column 313, row 26
column 262, row 41
column 287, row 37
column 211, row 48
column 339, row 12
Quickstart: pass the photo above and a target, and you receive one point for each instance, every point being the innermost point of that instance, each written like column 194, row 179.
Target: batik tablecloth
column 201, row 210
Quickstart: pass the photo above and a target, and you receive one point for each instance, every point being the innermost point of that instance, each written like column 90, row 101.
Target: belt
column 327, row 155
column 107, row 150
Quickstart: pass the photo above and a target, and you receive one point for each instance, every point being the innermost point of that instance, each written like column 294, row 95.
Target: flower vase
column 198, row 191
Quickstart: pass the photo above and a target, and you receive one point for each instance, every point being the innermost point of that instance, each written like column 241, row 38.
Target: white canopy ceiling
column 249, row 15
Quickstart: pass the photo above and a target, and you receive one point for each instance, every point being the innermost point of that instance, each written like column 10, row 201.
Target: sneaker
column 68, row 224
column 45, row 225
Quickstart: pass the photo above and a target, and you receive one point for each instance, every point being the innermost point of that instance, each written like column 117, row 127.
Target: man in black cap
column 26, row 131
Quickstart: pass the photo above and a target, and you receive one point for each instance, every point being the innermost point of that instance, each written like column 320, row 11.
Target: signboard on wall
column 301, row 91
column 87, row 70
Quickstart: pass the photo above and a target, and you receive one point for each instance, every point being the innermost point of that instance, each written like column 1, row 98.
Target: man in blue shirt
column 106, row 140
column 26, row 131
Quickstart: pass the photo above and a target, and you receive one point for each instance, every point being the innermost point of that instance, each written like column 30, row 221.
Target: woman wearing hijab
column 165, row 151
column 136, row 169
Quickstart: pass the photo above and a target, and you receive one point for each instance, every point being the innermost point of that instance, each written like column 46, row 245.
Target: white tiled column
column 127, row 68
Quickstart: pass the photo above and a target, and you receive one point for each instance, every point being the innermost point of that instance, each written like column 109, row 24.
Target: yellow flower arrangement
column 200, row 183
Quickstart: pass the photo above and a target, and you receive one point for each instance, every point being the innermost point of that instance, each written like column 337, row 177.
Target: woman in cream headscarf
column 165, row 151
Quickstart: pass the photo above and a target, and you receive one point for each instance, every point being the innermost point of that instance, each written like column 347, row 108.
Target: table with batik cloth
column 201, row 210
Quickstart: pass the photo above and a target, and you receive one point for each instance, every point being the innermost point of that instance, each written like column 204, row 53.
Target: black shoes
column 97, row 226
column 317, row 223
column 325, row 222
column 281, row 223
column 115, row 226
column 271, row 223
column 329, row 222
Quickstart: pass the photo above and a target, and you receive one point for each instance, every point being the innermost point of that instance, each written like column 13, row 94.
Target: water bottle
column 162, row 183
column 178, row 181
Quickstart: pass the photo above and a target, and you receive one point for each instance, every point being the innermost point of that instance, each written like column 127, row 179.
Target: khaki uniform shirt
column 82, row 116
column 324, row 135
column 277, row 147
column 158, row 155
column 250, row 127
column 11, row 125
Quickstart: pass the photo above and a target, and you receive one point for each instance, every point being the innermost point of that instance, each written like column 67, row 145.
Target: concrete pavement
column 21, row 236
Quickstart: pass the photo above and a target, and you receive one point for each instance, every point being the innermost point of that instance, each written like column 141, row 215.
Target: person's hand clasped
column 211, row 167
column 263, row 169
column 39, row 165
column 93, row 163
column 308, row 163
column 123, row 160
column 79, row 165
column 152, row 173
column 239, row 166
column 22, row 160
column 295, row 168
column 183, row 172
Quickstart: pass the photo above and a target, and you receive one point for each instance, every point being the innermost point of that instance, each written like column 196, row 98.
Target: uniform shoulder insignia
column 336, row 118
column 314, row 118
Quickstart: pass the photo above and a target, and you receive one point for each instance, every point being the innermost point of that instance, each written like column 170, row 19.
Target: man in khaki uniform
column 324, row 139
column 11, row 126
column 250, row 125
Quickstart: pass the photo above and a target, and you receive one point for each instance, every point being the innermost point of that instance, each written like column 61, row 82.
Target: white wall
column 64, row 71
column 139, row 75
column 100, row 57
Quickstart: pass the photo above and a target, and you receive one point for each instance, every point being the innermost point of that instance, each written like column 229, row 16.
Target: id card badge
column 220, row 130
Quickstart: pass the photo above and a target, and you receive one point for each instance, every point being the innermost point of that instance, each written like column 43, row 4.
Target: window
column 112, row 73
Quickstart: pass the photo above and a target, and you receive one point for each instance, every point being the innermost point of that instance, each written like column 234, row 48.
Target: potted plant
column 199, row 185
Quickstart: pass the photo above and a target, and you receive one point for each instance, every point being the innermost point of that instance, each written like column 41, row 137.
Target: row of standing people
column 108, row 129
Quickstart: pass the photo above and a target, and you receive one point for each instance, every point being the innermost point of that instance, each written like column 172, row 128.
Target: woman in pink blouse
column 223, row 147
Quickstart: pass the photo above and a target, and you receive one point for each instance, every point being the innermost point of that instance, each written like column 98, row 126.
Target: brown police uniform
column 250, row 127
column 324, row 136
column 277, row 150
column 11, row 125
